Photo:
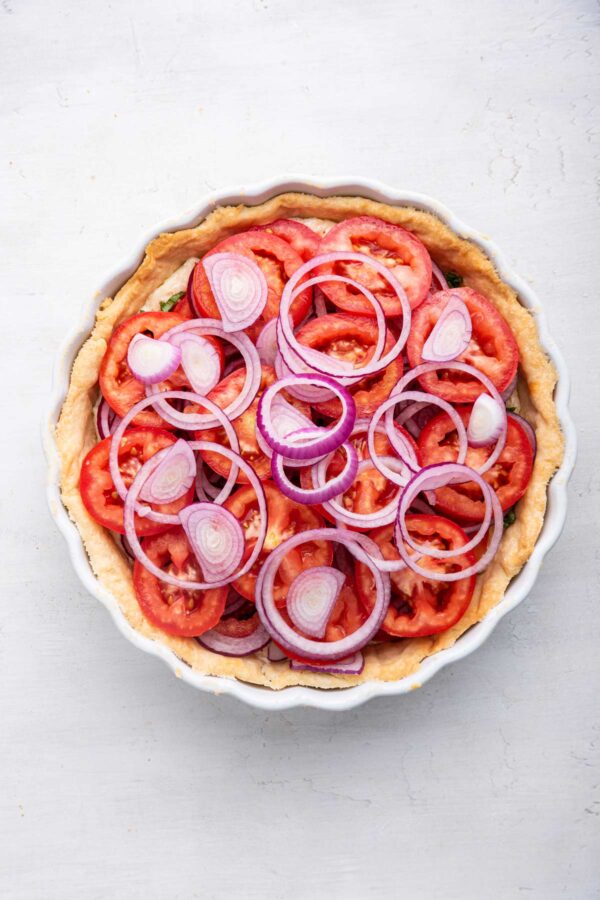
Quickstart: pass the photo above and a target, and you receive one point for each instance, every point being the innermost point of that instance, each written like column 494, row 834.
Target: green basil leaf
column 454, row 279
column 510, row 517
column 168, row 305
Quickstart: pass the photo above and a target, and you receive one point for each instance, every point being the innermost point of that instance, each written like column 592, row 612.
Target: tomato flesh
column 420, row 606
column 395, row 247
column 97, row 487
column 299, row 236
column 172, row 609
column 238, row 627
column 352, row 339
column 509, row 476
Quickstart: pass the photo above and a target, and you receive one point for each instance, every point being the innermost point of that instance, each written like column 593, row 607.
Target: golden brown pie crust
column 75, row 432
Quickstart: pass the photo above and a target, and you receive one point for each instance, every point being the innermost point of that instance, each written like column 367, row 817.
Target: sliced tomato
column 303, row 239
column 370, row 491
column 184, row 309
column 347, row 615
column 278, row 260
column 238, row 628
column 509, row 476
column 120, row 388
column 395, row 247
column 97, row 487
column 172, row 609
column 285, row 518
column 420, row 606
column 492, row 349
column 244, row 426
column 352, row 339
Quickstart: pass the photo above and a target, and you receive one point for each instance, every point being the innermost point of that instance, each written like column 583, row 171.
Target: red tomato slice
column 285, row 518
column 118, row 385
column 97, row 487
column 170, row 608
column 276, row 258
column 509, row 476
column 347, row 616
column 399, row 250
column 303, row 239
column 352, row 339
column 418, row 606
column 238, row 628
column 492, row 349
column 371, row 491
column 244, row 426
column 184, row 309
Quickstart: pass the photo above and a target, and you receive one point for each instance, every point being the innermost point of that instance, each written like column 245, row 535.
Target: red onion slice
column 285, row 328
column 437, row 276
column 216, row 537
column 321, row 441
column 398, row 442
column 205, row 489
column 286, row 420
column 430, row 478
column 239, row 287
column 152, row 361
column 113, row 456
column 199, row 360
column 376, row 519
column 126, row 546
column 275, row 653
column 320, row 362
column 506, row 393
column 137, row 549
column 332, row 488
column 173, row 476
column 451, row 333
column 284, row 634
column 352, row 665
column 306, row 393
column 266, row 343
column 227, row 645
column 107, row 420
column 319, row 302
column 486, row 421
column 311, row 598
column 342, row 561
column 455, row 366
column 384, row 565
column 421, row 412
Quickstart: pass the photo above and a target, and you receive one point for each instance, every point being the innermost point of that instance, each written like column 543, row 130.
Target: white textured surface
column 118, row 781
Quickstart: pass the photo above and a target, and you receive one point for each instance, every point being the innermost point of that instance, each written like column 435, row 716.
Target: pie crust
column 75, row 432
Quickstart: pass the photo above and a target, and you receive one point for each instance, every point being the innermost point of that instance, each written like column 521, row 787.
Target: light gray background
column 116, row 780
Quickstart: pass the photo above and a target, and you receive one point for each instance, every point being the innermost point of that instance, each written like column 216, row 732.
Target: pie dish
column 164, row 272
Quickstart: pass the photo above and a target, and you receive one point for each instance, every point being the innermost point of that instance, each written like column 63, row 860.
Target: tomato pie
column 309, row 441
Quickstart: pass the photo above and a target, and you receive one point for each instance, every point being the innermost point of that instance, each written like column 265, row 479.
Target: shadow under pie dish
column 334, row 323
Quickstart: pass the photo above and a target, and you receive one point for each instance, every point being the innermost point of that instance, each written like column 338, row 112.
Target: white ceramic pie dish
column 305, row 696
